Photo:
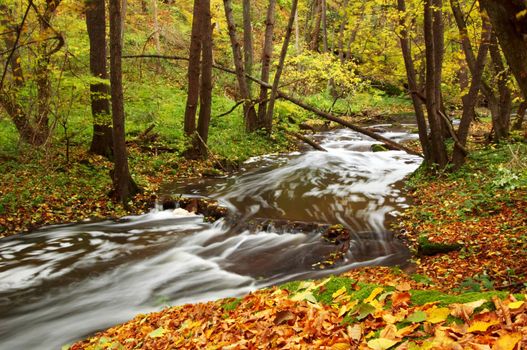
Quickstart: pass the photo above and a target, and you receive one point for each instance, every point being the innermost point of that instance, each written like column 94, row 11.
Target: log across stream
column 64, row 282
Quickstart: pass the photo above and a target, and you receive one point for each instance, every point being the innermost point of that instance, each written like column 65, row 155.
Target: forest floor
column 466, row 286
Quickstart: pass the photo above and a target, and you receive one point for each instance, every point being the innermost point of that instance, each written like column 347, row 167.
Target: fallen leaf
column 339, row 292
column 283, row 317
column 355, row 332
column 416, row 317
column 516, row 305
column 399, row 299
column 507, row 341
column 381, row 343
column 341, row 346
column 157, row 333
column 480, row 326
column 437, row 315
column 373, row 294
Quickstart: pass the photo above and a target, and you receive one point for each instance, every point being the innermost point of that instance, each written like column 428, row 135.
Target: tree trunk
column 511, row 30
column 315, row 34
column 522, row 108
column 124, row 186
column 193, row 73
column 268, row 122
column 323, row 19
column 124, row 9
column 297, row 34
column 502, row 118
column 249, row 112
column 470, row 99
column 248, row 41
column 267, row 53
column 412, row 82
column 433, row 36
column 156, row 26
column 205, row 97
column 102, row 142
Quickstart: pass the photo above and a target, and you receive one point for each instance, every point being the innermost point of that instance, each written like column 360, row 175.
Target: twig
column 452, row 132
column 19, row 32
column 230, row 110
column 306, row 140
column 209, row 151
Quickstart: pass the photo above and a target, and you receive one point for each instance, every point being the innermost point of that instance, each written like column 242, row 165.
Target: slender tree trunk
column 205, row 98
column 156, row 26
column 8, row 99
column 470, row 99
column 438, row 151
column 124, row 185
column 269, row 115
column 522, row 108
column 412, row 82
column 297, row 34
column 501, row 120
column 124, row 9
column 267, row 53
column 248, row 41
column 248, row 108
column 193, row 73
column 323, row 19
column 342, row 27
column 102, row 142
column 315, row 34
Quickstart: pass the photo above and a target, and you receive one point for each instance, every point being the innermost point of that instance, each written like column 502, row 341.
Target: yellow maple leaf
column 341, row 346
column 480, row 326
column 437, row 315
column 507, row 341
column 381, row 343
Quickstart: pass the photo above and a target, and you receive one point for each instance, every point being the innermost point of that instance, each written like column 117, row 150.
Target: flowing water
column 64, row 282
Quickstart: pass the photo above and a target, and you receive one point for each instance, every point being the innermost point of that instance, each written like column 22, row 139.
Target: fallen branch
column 306, row 140
column 391, row 145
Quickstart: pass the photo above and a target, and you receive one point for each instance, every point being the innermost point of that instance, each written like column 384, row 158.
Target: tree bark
column 412, row 81
column 124, row 185
column 511, row 29
column 124, row 9
column 315, row 34
column 193, row 73
column 156, row 26
column 249, row 112
column 470, row 99
column 268, row 122
column 433, row 37
column 323, row 20
column 101, row 142
column 502, row 117
column 267, row 53
column 205, row 97
column 248, row 41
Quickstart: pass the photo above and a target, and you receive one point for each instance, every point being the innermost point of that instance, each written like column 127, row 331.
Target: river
column 63, row 282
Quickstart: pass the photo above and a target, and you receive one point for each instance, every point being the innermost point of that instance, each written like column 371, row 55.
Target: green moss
column 231, row 304
column 420, row 297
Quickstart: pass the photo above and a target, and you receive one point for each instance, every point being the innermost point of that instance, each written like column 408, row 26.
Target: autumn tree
column 124, row 185
column 32, row 125
column 102, row 142
column 199, row 79
column 249, row 111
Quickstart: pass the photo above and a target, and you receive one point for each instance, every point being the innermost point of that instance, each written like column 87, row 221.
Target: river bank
column 468, row 233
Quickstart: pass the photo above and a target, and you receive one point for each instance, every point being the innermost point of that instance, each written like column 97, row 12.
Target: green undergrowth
column 360, row 291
